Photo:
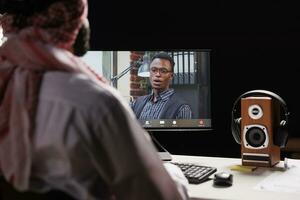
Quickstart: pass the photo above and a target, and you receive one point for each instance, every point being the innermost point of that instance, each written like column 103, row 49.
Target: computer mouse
column 223, row 179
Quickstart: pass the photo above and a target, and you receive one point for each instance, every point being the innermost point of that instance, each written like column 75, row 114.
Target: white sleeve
column 125, row 159
column 179, row 178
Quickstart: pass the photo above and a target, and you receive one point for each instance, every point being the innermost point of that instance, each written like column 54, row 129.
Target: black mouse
column 223, row 179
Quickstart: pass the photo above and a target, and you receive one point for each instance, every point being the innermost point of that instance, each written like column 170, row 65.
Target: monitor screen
column 168, row 90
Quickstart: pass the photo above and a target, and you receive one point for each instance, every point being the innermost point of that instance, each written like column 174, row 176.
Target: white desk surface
column 243, row 182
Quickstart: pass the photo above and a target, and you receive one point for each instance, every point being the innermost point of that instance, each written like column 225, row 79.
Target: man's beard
column 81, row 44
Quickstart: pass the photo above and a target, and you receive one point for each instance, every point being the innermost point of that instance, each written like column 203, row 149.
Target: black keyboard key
column 195, row 173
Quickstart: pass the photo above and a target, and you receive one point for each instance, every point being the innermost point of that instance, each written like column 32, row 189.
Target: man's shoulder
column 76, row 89
column 142, row 98
column 139, row 101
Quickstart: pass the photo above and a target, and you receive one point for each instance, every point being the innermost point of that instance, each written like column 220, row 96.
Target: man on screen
column 163, row 102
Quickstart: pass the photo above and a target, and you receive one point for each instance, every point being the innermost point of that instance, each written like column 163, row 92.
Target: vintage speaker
column 260, row 129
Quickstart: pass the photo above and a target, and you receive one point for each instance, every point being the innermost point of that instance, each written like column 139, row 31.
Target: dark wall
column 255, row 46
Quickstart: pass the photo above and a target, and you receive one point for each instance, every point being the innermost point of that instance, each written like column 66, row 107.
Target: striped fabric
column 184, row 112
column 153, row 109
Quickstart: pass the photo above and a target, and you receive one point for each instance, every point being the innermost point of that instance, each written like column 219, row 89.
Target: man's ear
column 172, row 75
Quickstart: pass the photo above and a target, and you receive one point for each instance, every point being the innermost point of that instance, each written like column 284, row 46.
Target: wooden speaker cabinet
column 260, row 120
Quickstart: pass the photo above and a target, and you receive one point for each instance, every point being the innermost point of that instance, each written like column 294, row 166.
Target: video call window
column 184, row 104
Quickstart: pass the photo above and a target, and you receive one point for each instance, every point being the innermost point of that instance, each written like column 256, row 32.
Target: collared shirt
column 153, row 109
column 85, row 140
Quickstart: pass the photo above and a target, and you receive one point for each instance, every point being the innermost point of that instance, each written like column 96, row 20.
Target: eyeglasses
column 154, row 70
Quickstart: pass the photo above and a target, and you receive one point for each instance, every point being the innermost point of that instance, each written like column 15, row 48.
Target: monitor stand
column 162, row 152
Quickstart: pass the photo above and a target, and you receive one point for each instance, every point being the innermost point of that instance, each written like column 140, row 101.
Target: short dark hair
column 166, row 56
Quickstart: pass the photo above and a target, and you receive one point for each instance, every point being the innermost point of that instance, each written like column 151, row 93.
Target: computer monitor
column 190, row 82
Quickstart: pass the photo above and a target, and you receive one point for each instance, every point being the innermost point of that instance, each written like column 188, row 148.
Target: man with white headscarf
column 61, row 126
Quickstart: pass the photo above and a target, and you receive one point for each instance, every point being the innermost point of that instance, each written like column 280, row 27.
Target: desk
column 243, row 182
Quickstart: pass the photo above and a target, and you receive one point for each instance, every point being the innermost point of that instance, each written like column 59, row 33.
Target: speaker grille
column 255, row 136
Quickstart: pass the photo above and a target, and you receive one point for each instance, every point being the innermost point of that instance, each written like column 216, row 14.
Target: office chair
column 7, row 192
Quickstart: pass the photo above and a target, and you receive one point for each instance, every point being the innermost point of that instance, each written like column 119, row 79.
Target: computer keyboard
column 195, row 173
